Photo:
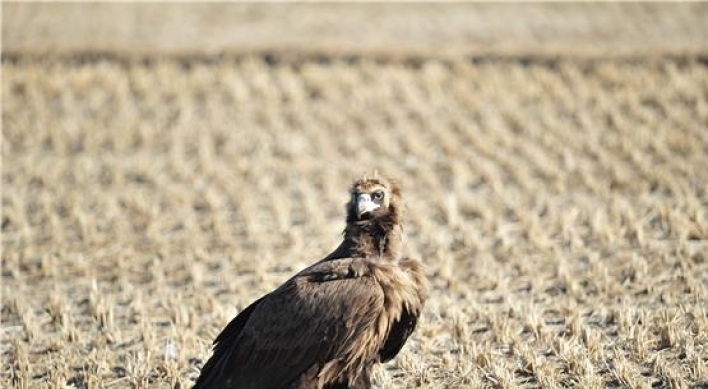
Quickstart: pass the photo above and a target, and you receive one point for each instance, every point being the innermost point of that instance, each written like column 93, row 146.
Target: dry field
column 578, row 29
column 561, row 206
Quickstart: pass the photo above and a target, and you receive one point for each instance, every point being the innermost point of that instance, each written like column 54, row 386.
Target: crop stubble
column 560, row 207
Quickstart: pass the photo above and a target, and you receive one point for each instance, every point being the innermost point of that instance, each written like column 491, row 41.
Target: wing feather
column 398, row 335
column 311, row 319
column 402, row 328
column 214, row 367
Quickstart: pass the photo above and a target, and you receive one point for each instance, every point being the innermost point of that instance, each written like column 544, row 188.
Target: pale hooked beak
column 364, row 204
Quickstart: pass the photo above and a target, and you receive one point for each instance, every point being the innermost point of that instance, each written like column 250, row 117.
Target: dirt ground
column 560, row 204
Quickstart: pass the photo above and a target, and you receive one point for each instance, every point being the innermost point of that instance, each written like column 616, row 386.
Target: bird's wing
column 308, row 320
column 403, row 327
column 211, row 374
column 398, row 335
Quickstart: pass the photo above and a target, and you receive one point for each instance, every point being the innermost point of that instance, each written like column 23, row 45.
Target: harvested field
column 561, row 209
column 560, row 205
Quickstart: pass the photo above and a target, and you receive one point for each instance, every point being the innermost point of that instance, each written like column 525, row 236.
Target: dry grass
column 561, row 208
column 446, row 28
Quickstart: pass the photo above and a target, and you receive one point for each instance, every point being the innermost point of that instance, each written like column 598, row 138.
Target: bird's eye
column 378, row 195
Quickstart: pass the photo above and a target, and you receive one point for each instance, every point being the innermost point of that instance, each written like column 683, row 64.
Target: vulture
column 327, row 326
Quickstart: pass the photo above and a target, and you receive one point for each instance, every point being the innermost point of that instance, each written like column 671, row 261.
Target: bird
column 328, row 325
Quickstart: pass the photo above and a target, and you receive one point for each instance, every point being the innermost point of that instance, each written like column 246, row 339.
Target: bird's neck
column 379, row 238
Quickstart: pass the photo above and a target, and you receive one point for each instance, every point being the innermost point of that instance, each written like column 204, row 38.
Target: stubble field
column 560, row 206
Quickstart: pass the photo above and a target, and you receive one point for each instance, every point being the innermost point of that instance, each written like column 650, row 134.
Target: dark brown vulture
column 328, row 325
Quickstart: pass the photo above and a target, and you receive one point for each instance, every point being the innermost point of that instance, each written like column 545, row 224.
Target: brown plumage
column 329, row 324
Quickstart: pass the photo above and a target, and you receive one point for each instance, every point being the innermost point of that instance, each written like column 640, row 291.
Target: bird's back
column 318, row 318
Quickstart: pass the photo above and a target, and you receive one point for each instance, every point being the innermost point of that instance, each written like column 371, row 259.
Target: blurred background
column 164, row 164
column 386, row 29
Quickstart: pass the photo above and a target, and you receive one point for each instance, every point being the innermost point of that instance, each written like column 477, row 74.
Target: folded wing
column 312, row 320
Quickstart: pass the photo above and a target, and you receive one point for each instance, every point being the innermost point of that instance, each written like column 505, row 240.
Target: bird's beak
column 364, row 204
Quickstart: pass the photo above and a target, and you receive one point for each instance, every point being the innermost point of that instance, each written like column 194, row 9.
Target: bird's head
column 374, row 197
